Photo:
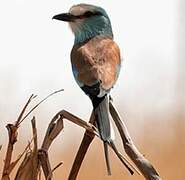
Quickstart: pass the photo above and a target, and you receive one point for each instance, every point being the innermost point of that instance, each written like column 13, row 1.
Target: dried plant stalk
column 87, row 139
column 12, row 133
column 139, row 160
column 36, row 158
column 45, row 163
column 57, row 124
column 55, row 127
column 29, row 167
column 57, row 166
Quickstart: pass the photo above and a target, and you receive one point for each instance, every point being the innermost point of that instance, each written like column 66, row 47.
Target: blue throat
column 96, row 26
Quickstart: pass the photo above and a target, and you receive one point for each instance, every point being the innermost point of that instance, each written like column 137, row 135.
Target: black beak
column 65, row 17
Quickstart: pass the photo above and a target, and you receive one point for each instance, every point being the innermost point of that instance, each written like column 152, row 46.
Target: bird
column 96, row 62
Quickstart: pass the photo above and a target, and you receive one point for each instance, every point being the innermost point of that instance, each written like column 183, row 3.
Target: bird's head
column 87, row 21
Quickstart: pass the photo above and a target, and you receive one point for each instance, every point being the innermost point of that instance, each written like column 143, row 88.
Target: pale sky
column 35, row 57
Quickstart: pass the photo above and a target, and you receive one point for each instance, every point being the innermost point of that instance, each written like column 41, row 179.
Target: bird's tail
column 101, row 111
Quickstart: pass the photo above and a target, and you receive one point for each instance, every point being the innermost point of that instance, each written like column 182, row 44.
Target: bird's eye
column 88, row 14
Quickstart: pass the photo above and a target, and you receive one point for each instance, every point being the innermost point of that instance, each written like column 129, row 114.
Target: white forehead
column 80, row 9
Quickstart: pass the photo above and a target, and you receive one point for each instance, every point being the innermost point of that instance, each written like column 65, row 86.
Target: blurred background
column 35, row 58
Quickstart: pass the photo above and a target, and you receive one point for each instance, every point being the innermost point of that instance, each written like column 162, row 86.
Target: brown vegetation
column 37, row 158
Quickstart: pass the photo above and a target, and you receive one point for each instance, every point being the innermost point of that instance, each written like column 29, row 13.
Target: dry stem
column 12, row 133
column 140, row 161
column 30, row 166
column 87, row 139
